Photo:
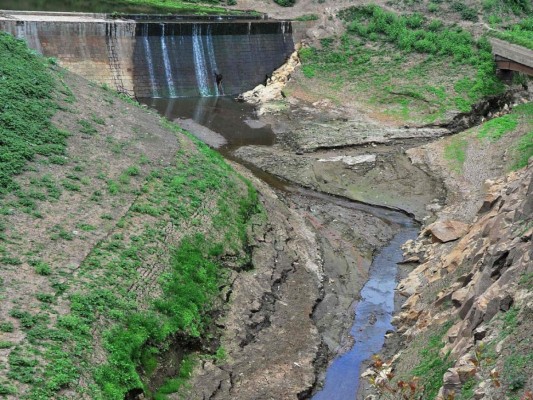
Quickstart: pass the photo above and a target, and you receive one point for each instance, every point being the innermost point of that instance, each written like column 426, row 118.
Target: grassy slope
column 415, row 69
column 515, row 130
column 113, row 239
column 411, row 67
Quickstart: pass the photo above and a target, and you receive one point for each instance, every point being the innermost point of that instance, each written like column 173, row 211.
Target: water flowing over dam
column 160, row 57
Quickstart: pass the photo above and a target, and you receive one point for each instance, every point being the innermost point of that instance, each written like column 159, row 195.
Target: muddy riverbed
column 319, row 186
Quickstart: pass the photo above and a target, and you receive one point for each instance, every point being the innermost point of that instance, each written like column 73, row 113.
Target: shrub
column 41, row 268
column 307, row 17
column 432, row 7
column 467, row 13
column 6, row 327
column 285, row 3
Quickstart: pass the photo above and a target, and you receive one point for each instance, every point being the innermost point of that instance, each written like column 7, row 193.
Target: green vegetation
column 520, row 33
column 467, row 390
column 510, row 321
column 514, row 375
column 503, row 7
column 467, row 13
column 379, row 44
column 518, row 122
column 27, row 107
column 189, row 287
column 285, row 3
column 455, row 152
column 307, row 17
column 527, row 280
column 41, row 267
column 6, row 327
column 86, row 127
column 432, row 366
column 523, row 149
column 497, row 127
column 135, row 326
column 135, row 330
column 173, row 385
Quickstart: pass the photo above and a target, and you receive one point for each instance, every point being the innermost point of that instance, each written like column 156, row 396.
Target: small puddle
column 227, row 125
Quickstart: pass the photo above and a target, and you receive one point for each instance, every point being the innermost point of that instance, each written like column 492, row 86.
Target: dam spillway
column 161, row 56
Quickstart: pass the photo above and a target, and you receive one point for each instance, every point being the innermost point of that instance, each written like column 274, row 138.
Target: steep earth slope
column 122, row 239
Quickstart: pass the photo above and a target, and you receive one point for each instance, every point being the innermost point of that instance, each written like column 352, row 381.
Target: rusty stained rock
column 447, row 230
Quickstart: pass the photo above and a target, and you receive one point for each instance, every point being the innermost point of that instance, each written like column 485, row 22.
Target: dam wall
column 157, row 57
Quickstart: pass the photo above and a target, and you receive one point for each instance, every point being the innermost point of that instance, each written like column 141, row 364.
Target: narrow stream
column 227, row 125
column 373, row 315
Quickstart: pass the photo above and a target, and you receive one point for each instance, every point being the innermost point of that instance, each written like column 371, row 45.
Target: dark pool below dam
column 236, row 124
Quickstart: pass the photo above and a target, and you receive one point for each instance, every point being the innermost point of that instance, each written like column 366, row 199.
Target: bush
column 519, row 6
column 432, row 7
column 467, row 13
column 285, row 3
column 307, row 17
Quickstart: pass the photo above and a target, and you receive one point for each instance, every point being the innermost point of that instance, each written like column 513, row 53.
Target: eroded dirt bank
column 290, row 313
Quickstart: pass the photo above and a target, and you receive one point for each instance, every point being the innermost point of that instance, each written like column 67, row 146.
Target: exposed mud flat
column 359, row 160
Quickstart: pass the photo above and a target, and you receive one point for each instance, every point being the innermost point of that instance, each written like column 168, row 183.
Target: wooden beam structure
column 511, row 57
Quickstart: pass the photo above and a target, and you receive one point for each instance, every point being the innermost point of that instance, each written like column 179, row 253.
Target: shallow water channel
column 226, row 125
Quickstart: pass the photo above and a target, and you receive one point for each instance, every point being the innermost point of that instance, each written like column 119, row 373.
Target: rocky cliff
column 471, row 294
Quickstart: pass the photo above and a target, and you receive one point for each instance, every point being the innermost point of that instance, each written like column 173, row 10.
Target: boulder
column 447, row 230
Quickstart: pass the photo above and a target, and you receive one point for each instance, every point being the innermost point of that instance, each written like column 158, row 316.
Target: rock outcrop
column 274, row 85
column 479, row 280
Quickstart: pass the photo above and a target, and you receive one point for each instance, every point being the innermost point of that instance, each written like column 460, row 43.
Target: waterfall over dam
column 159, row 57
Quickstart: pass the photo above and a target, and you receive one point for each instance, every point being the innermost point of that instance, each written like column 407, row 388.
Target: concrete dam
column 163, row 56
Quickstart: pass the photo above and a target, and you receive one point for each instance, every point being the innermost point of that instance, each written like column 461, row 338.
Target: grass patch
column 524, row 150
column 41, row 268
column 86, row 127
column 514, row 375
column 307, row 17
column 510, row 321
column 6, row 327
column 455, row 152
column 133, row 332
column 497, row 127
column 432, row 366
column 27, row 104
column 174, row 385
column 520, row 33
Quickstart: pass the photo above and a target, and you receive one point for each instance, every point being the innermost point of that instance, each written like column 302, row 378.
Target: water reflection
column 221, row 115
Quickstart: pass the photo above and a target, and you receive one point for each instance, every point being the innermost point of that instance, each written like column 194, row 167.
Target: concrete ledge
column 513, row 52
